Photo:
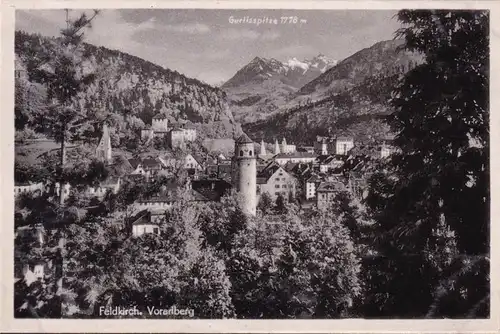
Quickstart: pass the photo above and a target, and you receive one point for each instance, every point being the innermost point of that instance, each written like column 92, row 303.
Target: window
column 156, row 230
column 241, row 153
column 277, row 193
column 277, row 186
column 144, row 230
column 250, row 153
column 284, row 186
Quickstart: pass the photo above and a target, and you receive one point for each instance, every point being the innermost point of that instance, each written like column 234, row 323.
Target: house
column 193, row 162
column 343, row 145
column 284, row 158
column 146, row 221
column 329, row 162
column 28, row 187
column 308, row 149
column 110, row 184
column 275, row 180
column 312, row 183
column 19, row 69
column 326, row 193
column 286, row 148
column 147, row 166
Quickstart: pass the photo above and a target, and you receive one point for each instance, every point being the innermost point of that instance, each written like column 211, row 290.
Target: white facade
column 310, row 190
column 343, row 145
column 159, row 124
column 283, row 160
column 28, row 188
column 386, row 151
column 140, row 229
column 191, row 163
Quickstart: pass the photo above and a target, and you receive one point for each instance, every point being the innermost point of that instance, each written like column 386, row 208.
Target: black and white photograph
column 231, row 163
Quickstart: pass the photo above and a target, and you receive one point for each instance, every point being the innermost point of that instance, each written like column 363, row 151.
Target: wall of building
column 140, row 229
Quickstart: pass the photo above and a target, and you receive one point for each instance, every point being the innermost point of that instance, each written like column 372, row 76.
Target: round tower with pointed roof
column 245, row 165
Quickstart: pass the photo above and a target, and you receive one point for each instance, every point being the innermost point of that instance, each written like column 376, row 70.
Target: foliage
column 434, row 195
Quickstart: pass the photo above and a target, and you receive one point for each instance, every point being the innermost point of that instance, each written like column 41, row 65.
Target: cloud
column 189, row 28
column 270, row 35
column 232, row 34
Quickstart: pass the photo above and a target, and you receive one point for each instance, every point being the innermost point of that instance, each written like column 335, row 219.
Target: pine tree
column 65, row 78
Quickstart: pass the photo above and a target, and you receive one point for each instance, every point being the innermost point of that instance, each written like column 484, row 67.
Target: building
column 29, row 188
column 189, row 132
column 321, row 146
column 286, row 148
column 312, row 184
column 343, row 145
column 192, row 162
column 146, row 221
column 146, row 167
column 262, row 148
column 329, row 163
column 274, row 180
column 103, row 150
column 111, row 184
column 284, row 158
column 19, row 69
column 276, row 147
column 159, row 125
column 326, row 193
column 245, row 174
column 176, row 138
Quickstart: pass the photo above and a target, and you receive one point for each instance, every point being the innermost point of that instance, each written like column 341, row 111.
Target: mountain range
column 270, row 98
column 263, row 85
column 351, row 98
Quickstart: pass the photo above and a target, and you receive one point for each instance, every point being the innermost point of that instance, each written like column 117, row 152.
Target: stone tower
column 160, row 123
column 103, row 150
column 262, row 148
column 245, row 167
column 276, row 147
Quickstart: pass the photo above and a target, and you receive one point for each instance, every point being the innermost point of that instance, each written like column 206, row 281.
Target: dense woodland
column 416, row 247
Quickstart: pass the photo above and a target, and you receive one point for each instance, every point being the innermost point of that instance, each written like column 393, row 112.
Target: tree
column 265, row 204
column 439, row 180
column 65, row 77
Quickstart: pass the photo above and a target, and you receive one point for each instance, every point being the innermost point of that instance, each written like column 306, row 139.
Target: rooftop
column 295, row 155
column 160, row 116
column 330, row 187
column 244, row 139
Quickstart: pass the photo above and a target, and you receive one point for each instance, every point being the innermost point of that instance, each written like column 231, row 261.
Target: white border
column 8, row 323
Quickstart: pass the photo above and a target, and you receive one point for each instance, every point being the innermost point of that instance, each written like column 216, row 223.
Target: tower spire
column 262, row 148
column 276, row 147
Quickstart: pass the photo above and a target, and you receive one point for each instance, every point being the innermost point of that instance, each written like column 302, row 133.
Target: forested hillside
column 129, row 89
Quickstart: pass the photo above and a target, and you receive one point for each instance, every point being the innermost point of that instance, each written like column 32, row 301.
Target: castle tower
column 160, row 123
column 103, row 150
column 262, row 148
column 245, row 166
column 324, row 148
column 276, row 147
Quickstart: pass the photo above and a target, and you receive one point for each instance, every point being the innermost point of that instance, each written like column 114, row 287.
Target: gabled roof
column 344, row 138
column 330, row 187
column 190, row 126
column 134, row 162
column 295, row 155
column 160, row 116
column 244, row 139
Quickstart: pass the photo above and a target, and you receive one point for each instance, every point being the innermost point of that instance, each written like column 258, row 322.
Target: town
column 353, row 185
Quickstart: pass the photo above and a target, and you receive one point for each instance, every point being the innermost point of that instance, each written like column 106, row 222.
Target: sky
column 212, row 45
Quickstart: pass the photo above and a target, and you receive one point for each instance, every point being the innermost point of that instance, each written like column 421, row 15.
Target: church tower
column 103, row 150
column 276, row 147
column 245, row 166
column 262, row 148
column 284, row 148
